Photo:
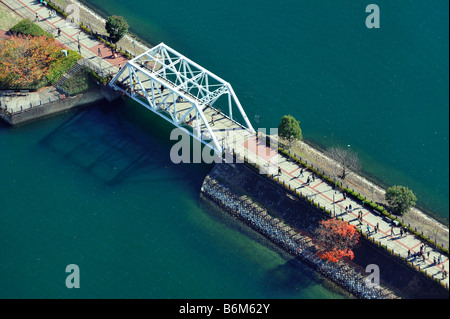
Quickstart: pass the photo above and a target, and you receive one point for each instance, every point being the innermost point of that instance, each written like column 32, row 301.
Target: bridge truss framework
column 184, row 93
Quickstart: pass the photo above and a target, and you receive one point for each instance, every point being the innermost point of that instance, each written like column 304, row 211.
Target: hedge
column 27, row 27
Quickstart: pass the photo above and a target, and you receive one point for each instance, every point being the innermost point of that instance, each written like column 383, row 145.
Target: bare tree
column 347, row 160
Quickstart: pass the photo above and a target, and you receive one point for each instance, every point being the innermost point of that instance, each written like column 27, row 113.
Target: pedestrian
column 392, row 231
column 345, row 196
column 99, row 52
column 401, row 232
column 37, row 18
column 409, row 253
column 346, row 209
column 423, row 258
column 49, row 14
column 368, row 229
column 120, row 66
column 79, row 48
column 350, row 207
column 279, row 170
column 434, row 260
column 378, row 226
column 307, row 180
column 428, row 255
column 59, row 31
column 301, row 172
column 212, row 120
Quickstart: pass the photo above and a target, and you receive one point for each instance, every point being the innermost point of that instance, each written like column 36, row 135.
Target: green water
column 97, row 188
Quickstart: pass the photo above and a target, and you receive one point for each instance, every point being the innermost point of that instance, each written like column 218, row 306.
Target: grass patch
column 8, row 18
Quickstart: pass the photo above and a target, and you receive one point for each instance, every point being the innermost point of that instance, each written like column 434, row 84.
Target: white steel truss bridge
column 185, row 94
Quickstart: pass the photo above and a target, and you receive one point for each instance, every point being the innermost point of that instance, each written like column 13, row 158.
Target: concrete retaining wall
column 48, row 109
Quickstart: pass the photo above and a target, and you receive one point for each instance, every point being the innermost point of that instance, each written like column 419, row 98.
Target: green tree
column 289, row 129
column 117, row 27
column 400, row 198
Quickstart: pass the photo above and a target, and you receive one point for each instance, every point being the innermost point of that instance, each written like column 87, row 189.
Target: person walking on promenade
column 36, row 18
column 59, row 31
column 401, row 232
column 392, row 231
column 409, row 253
column 212, row 120
column 79, row 48
column 345, row 196
column 301, row 172
column 368, row 229
column 99, row 52
column 378, row 226
column 279, row 170
column 308, row 180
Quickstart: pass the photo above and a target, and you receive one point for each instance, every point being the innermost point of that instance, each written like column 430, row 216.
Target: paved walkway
column 70, row 35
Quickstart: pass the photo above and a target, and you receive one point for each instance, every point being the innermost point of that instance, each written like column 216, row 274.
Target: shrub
column 27, row 27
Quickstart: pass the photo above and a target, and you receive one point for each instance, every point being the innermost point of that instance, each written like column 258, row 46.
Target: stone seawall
column 285, row 236
column 48, row 109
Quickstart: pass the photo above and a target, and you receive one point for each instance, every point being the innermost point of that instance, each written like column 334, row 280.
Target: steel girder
column 179, row 90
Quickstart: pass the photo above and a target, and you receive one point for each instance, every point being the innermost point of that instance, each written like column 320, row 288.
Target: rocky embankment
column 293, row 240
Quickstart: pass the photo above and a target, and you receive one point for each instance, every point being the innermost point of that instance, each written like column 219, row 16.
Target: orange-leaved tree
column 334, row 239
column 26, row 59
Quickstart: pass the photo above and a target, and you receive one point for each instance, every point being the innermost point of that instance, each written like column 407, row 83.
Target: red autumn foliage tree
column 335, row 239
column 25, row 60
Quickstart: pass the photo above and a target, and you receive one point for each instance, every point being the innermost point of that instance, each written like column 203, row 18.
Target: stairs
column 68, row 75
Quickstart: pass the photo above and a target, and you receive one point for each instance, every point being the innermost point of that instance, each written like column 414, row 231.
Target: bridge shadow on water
column 116, row 145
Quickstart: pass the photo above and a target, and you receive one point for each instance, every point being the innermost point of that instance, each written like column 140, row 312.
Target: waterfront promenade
column 71, row 36
column 296, row 178
column 246, row 145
